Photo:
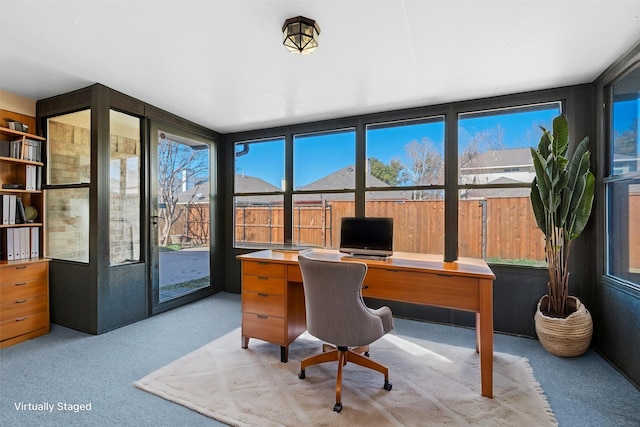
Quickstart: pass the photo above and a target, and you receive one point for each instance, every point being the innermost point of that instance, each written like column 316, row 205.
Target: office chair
column 337, row 314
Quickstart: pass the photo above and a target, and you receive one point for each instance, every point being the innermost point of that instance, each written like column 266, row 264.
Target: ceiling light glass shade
column 300, row 35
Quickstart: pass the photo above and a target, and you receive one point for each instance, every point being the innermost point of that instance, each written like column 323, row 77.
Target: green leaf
column 583, row 210
column 560, row 136
column 538, row 206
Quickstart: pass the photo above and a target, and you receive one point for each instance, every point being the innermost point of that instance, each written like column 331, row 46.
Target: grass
column 520, row 261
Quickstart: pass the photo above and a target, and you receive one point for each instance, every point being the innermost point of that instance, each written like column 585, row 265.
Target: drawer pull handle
column 20, row 267
column 443, row 275
column 20, row 319
column 263, row 278
column 393, row 270
column 20, row 301
column 262, row 316
column 21, row 284
column 260, row 294
column 365, row 286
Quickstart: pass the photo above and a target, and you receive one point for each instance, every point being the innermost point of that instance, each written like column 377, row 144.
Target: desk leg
column 245, row 342
column 284, row 353
column 477, row 332
column 484, row 330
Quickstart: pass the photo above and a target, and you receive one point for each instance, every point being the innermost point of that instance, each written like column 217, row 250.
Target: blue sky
column 316, row 156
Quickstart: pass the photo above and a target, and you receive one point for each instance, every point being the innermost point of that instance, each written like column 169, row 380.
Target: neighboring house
column 492, row 193
column 345, row 178
column 514, row 164
column 625, row 164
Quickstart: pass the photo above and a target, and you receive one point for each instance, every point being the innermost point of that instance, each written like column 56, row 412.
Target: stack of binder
column 19, row 243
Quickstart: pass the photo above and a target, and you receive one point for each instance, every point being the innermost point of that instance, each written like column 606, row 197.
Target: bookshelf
column 24, row 273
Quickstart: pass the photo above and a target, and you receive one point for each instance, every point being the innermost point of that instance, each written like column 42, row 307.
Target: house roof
column 244, row 184
column 499, row 159
column 345, row 178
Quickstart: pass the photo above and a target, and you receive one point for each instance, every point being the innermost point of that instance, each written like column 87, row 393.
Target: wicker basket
column 565, row 337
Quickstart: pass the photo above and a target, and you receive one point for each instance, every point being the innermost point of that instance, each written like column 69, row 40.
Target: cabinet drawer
column 23, row 325
column 259, row 268
column 266, row 284
column 22, row 307
column 294, row 274
column 267, row 328
column 12, row 292
column 263, row 303
column 440, row 290
column 19, row 273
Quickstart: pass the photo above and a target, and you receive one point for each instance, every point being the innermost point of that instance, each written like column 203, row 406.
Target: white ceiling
column 221, row 63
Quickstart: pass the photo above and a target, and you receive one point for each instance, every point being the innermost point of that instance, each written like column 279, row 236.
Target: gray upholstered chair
column 337, row 314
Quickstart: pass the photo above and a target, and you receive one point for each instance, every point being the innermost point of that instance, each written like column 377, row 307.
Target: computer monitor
column 372, row 236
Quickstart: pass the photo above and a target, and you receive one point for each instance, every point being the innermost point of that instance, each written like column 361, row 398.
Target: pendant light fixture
column 300, row 35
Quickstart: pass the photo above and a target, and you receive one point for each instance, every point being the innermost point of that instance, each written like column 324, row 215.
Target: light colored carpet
column 433, row 384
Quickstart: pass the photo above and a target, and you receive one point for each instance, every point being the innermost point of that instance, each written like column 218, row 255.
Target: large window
column 400, row 168
column 124, row 188
column 405, row 181
column 68, row 180
column 324, row 180
column 259, row 187
column 623, row 180
column 495, row 170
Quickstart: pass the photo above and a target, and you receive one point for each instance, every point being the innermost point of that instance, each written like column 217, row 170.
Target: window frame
column 610, row 179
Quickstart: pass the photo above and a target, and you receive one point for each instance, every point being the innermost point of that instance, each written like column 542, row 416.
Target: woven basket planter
column 565, row 337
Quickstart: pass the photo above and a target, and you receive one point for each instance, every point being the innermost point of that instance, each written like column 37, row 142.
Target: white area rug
column 433, row 384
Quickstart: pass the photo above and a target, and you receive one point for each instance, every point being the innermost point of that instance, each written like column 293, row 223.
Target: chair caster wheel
column 301, row 375
column 387, row 385
column 337, row 407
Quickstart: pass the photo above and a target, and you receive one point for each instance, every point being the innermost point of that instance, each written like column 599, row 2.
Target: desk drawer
column 294, row 274
column 447, row 291
column 259, row 268
column 23, row 272
column 22, row 307
column 267, row 328
column 264, row 284
column 22, row 325
column 263, row 303
column 10, row 293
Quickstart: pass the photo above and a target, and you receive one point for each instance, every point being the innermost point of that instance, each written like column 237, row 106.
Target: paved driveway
column 180, row 267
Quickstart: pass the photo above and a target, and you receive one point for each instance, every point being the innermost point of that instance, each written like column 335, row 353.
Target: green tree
column 388, row 173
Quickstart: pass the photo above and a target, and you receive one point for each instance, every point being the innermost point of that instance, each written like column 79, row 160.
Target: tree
column 389, row 174
column 626, row 142
column 480, row 142
column 178, row 164
column 426, row 165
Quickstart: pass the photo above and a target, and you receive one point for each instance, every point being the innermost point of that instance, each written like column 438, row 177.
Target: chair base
column 343, row 355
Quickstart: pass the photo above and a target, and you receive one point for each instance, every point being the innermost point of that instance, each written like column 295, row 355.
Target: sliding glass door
column 180, row 226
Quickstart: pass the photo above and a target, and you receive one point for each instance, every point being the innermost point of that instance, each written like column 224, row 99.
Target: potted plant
column 561, row 197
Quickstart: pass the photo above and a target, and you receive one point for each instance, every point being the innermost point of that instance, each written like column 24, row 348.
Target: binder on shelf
column 16, row 243
column 7, row 244
column 35, row 242
column 21, row 217
column 16, row 149
column 30, row 177
column 38, row 177
column 12, row 209
column 25, row 243
column 5, row 209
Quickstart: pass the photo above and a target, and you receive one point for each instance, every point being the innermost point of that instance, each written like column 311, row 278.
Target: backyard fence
column 500, row 228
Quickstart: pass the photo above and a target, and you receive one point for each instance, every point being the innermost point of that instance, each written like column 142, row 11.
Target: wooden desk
column 273, row 298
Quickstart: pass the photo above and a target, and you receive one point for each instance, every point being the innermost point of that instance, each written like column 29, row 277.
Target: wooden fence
column 501, row 228
column 488, row 228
